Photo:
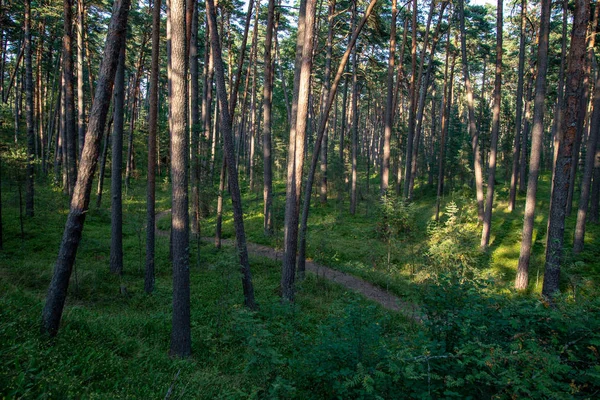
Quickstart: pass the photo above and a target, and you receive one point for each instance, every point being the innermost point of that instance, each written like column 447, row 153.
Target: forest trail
column 368, row 290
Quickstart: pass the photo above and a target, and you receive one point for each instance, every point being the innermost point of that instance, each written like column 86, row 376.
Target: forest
column 310, row 199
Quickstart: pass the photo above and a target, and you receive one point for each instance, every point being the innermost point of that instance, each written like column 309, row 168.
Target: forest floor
column 370, row 291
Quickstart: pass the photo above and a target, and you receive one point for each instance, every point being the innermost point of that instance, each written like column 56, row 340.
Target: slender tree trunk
column 194, row 121
column 512, row 198
column 29, row 111
column 471, row 112
column 586, row 183
column 303, row 67
column 525, row 136
column 152, row 139
column 80, row 97
column 321, row 134
column 489, row 201
column 57, row 292
column 267, row 112
column 116, row 182
column 181, row 345
column 564, row 163
column 522, row 279
column 226, row 123
column 69, row 96
column 389, row 106
column 355, row 94
column 595, row 196
column 219, row 223
column 103, row 158
column 412, row 106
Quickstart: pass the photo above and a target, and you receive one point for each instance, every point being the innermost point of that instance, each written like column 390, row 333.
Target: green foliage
column 452, row 244
column 396, row 217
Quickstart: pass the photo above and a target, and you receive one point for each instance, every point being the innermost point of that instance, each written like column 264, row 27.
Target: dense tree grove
column 458, row 135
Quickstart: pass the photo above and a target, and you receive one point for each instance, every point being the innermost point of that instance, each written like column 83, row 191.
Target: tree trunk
column 412, row 106
column 512, row 198
column 489, row 201
column 194, row 121
column 354, row 129
column 522, row 279
column 57, row 291
column 471, row 112
column 80, row 98
column 116, row 182
column 564, row 162
column 181, row 345
column 303, row 67
column 152, row 139
column 389, row 106
column 29, row 111
column 103, row 158
column 267, row 112
column 69, row 97
column 226, row 123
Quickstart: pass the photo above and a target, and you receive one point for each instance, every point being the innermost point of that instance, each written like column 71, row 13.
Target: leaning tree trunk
column 489, row 201
column 564, row 162
column 522, row 279
column 234, row 187
column 57, row 292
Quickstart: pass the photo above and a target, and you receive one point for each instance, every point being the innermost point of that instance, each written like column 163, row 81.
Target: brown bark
column 29, row 112
column 471, row 112
column 181, row 321
column 564, row 162
column 152, row 155
column 512, row 198
column 267, row 111
column 226, row 123
column 80, row 98
column 69, row 97
column 389, row 107
column 489, row 201
column 522, row 279
column 57, row 291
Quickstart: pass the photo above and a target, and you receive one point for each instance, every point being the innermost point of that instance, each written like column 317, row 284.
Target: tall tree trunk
column 103, row 158
column 522, row 279
column 116, row 182
column 29, row 111
column 412, row 106
column 181, row 345
column 303, row 67
column 267, row 112
column 80, row 98
column 489, row 201
column 595, row 196
column 354, row 129
column 471, row 112
column 586, row 183
column 194, row 121
column 57, row 292
column 525, row 135
column 389, row 106
column 69, row 96
column 321, row 134
column 564, row 162
column 152, row 155
column 512, row 198
column 226, row 123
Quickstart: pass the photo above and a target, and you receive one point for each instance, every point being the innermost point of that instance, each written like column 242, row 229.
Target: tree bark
column 354, row 129
column 152, row 139
column 512, row 198
column 489, row 201
column 267, row 111
column 69, row 97
column 522, row 279
column 389, row 106
column 471, row 112
column 29, row 111
column 181, row 329
column 80, row 97
column 564, row 162
column 57, row 291
column 116, row 182
column 303, row 67
column 226, row 123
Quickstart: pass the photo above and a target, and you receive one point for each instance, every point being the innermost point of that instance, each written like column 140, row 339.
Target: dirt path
column 370, row 291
